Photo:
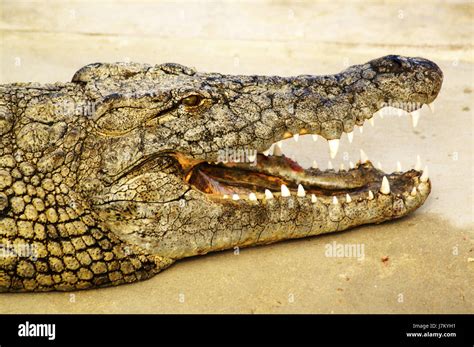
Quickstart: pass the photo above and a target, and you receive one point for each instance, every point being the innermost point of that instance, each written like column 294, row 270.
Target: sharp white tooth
column 363, row 157
column 267, row 152
column 235, row 197
column 252, row 197
column 415, row 117
column 371, row 195
column 285, row 191
column 424, row 175
column 361, row 129
column 431, row 107
column 351, row 165
column 342, row 168
column 418, row 163
column 315, row 164
column 348, row 198
column 413, row 191
column 350, row 136
column 315, row 137
column 399, row 167
column 225, row 196
column 330, row 167
column 252, row 157
column 333, row 147
column 301, row 193
column 296, row 137
column 379, row 165
column 268, row 194
column 280, row 144
column 334, row 200
column 385, row 188
column 371, row 121
column 313, row 198
column 277, row 151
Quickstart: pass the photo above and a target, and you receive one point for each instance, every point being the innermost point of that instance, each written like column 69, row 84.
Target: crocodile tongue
column 271, row 172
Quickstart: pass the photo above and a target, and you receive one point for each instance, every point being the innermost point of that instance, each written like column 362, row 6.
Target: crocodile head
column 184, row 156
column 169, row 163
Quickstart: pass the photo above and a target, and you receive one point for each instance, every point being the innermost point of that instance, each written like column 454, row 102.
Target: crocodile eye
column 192, row 100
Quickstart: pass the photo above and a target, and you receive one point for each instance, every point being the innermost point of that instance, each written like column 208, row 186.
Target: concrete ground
column 420, row 264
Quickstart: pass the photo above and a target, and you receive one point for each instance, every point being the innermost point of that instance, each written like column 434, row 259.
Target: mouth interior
column 271, row 172
column 263, row 173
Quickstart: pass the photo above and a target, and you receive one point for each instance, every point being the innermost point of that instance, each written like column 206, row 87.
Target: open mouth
column 272, row 175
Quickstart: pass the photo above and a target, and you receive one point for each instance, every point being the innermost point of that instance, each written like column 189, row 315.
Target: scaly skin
column 93, row 172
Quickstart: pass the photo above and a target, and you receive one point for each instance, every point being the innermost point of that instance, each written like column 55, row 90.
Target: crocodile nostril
column 389, row 64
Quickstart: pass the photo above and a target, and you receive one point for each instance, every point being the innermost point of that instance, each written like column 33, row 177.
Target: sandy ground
column 427, row 269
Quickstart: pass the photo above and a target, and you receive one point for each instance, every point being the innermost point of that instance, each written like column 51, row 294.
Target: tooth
column 379, row 165
column 252, row 157
column 315, row 137
column 284, row 191
column 333, row 147
column 348, row 198
column 313, row 198
column 330, row 167
column 371, row 195
column 268, row 194
column 287, row 135
column 267, row 152
column 301, row 193
column 399, row 167
column 350, row 136
column 371, row 121
column 363, row 157
column 277, row 151
column 385, row 188
column 418, row 163
column 361, row 129
column 334, row 200
column 424, row 175
column 415, row 117
column 296, row 137
column 315, row 164
column 342, row 168
column 351, row 165
column 431, row 107
column 235, row 197
column 413, row 192
column 252, row 197
column 280, row 144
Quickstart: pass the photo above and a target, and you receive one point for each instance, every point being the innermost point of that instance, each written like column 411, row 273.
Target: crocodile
column 112, row 177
